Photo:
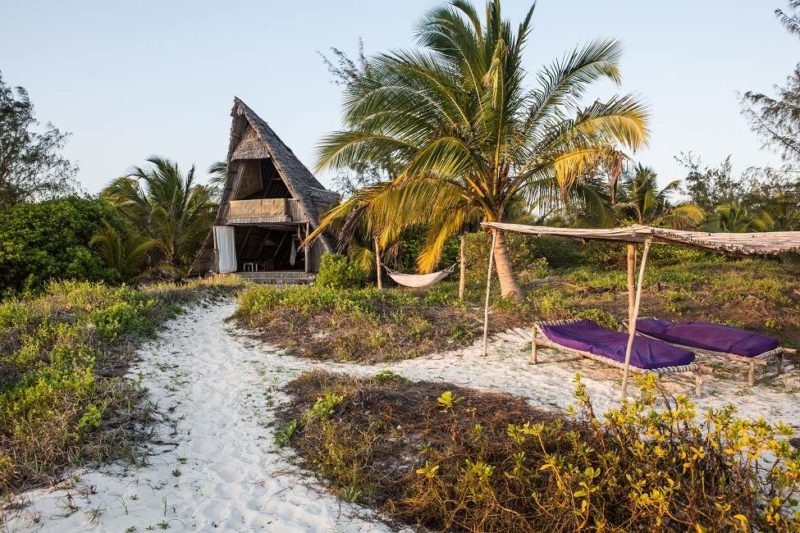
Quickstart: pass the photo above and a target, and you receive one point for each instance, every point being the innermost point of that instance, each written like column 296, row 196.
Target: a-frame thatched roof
column 252, row 138
column 312, row 195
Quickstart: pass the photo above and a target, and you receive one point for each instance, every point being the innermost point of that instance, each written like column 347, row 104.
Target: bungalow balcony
column 265, row 211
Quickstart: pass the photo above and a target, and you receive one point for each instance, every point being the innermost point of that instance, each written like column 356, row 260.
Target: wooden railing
column 265, row 210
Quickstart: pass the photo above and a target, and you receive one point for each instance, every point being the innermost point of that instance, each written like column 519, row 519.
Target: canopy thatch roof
column 765, row 243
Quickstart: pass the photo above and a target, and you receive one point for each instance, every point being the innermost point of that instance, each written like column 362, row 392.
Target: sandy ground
column 216, row 465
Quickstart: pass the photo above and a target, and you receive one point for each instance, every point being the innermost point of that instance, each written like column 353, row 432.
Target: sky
column 134, row 79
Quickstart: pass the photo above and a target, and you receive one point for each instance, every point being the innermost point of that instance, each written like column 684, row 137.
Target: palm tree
column 735, row 218
column 219, row 175
column 166, row 206
column 640, row 199
column 381, row 212
column 457, row 114
column 123, row 251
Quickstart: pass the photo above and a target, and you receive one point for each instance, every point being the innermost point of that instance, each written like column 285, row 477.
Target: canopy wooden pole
column 488, row 292
column 634, row 314
column 378, row 265
column 631, row 279
column 462, row 275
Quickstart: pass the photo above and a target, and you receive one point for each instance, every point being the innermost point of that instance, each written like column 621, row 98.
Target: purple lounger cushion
column 588, row 336
column 706, row 336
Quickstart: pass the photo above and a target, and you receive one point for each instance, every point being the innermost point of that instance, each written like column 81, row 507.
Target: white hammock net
column 419, row 281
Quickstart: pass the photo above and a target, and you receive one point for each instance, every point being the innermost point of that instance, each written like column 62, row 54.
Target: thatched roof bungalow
column 270, row 203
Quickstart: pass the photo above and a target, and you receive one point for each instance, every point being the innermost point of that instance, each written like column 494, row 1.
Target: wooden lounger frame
column 762, row 359
column 538, row 338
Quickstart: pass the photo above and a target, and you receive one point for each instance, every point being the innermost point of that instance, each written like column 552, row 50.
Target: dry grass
column 454, row 459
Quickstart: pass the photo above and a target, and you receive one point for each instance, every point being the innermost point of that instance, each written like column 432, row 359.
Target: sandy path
column 217, row 466
column 221, row 469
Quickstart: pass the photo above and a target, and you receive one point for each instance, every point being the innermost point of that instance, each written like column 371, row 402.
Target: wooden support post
column 462, row 275
column 634, row 313
column 751, row 375
column 307, row 250
column 631, row 278
column 278, row 248
column 534, row 355
column 378, row 266
column 488, row 293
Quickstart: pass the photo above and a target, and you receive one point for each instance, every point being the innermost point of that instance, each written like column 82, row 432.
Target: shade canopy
column 764, row 243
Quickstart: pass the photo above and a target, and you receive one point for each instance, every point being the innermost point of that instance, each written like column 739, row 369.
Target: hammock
column 419, row 281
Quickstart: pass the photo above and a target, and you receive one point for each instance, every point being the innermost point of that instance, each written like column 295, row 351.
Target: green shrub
column 50, row 241
column 367, row 325
column 121, row 319
column 452, row 459
column 522, row 251
column 604, row 318
column 338, row 272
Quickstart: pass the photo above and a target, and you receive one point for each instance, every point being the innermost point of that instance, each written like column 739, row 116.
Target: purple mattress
column 588, row 336
column 706, row 336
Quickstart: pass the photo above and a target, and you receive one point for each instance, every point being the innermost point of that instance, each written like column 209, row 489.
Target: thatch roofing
column 312, row 195
column 252, row 138
column 765, row 243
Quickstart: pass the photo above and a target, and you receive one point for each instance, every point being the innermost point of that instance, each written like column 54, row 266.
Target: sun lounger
column 588, row 339
column 736, row 344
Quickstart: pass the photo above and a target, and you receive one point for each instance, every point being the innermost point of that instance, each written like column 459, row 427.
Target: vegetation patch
column 63, row 400
column 449, row 458
column 366, row 325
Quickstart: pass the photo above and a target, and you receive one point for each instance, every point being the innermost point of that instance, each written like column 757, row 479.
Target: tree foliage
column 777, row 118
column 457, row 112
column 31, row 165
column 758, row 200
column 640, row 199
column 125, row 250
column 50, row 240
column 166, row 206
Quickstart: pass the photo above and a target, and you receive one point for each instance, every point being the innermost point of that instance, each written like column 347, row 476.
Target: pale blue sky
column 131, row 79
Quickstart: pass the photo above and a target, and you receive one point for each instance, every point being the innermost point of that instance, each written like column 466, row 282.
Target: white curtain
column 225, row 245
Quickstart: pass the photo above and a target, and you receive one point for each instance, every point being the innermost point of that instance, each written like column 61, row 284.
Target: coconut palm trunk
column 509, row 288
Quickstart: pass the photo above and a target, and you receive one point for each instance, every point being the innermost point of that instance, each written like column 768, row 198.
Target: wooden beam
column 488, row 292
column 264, row 242
column 634, row 317
column 278, row 248
column 244, row 241
column 631, row 278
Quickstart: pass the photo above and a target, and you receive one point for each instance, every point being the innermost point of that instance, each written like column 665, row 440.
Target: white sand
column 218, row 388
column 218, row 467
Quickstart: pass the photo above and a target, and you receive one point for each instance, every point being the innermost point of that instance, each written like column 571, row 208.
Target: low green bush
column 522, row 251
column 338, row 272
column 367, row 324
column 453, row 459
column 122, row 318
